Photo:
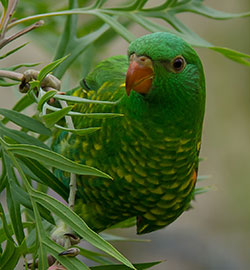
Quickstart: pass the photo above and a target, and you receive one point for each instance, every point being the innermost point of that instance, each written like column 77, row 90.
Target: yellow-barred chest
column 153, row 178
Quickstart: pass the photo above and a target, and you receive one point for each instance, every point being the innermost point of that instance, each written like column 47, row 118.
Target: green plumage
column 152, row 151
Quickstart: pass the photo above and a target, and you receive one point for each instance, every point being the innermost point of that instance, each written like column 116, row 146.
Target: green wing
column 106, row 83
column 112, row 70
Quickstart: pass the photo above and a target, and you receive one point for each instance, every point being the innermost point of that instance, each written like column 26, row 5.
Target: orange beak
column 140, row 74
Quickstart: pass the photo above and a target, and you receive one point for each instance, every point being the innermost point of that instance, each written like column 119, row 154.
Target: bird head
column 164, row 69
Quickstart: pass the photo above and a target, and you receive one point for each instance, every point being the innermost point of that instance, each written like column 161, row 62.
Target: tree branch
column 72, row 184
column 11, row 75
column 5, row 41
column 7, row 16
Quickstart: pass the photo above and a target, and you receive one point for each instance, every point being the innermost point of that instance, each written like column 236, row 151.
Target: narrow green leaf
column 6, row 84
column 79, row 132
column 186, row 33
column 13, row 51
column 78, row 225
column 141, row 4
column 118, row 27
column 31, row 240
column 180, row 2
column 32, row 236
column 46, row 177
column 151, row 26
column 13, row 205
column 154, row 27
column 25, row 121
column 138, row 266
column 164, row 6
column 76, row 47
column 45, row 98
column 89, row 115
column 52, row 118
column 111, row 237
column 41, row 187
column 106, row 39
column 22, row 197
column 136, row 4
column 46, row 215
column 33, row 85
column 53, row 159
column 15, row 215
column 13, row 68
column 47, row 69
column 97, row 115
column 3, row 178
column 43, row 262
column 236, row 56
column 130, row 222
column 22, row 104
column 69, row 34
column 7, row 231
column 147, row 24
column 3, row 182
column 198, row 7
column 94, row 256
column 99, row 3
column 41, row 235
column 21, row 137
column 3, row 236
column 30, row 175
column 5, row 3
column 202, row 190
column 10, row 257
column 43, row 138
column 203, row 177
column 85, row 100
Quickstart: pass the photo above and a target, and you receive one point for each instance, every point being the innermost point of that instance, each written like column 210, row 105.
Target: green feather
column 152, row 151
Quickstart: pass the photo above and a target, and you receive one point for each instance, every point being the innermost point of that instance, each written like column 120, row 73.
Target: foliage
column 27, row 159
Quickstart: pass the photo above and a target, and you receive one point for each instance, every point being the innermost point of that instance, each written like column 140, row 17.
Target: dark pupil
column 178, row 64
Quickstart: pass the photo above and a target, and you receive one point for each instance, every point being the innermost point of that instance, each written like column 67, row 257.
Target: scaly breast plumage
column 145, row 171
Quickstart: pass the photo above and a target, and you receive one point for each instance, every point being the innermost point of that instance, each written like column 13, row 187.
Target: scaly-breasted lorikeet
column 152, row 151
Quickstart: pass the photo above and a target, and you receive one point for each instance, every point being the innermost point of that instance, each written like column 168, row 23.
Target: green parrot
column 152, row 151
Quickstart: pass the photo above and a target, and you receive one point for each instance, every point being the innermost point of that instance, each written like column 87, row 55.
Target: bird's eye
column 178, row 64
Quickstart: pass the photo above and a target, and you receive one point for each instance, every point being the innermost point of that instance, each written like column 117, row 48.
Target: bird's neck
column 160, row 113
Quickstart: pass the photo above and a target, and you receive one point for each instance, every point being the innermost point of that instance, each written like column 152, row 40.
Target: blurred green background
column 215, row 234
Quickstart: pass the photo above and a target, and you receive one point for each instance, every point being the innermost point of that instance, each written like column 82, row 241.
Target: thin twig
column 72, row 191
column 11, row 75
column 2, row 18
column 5, row 20
column 72, row 184
column 68, row 119
column 20, row 33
